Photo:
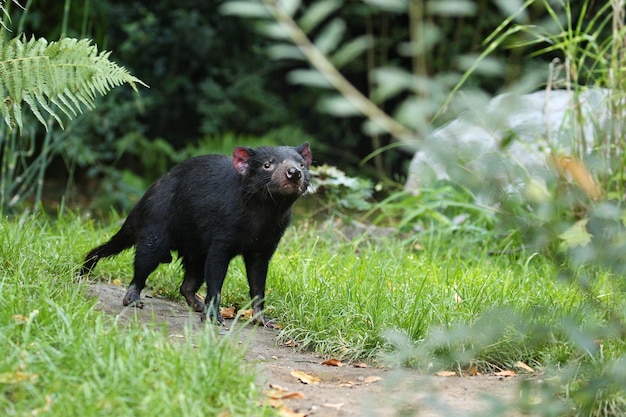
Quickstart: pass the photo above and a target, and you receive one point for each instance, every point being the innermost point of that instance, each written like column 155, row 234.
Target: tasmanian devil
column 210, row 209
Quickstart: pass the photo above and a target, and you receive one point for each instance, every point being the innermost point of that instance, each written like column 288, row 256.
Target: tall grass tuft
column 60, row 356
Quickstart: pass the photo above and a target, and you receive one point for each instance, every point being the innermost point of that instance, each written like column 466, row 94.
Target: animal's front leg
column 256, row 268
column 215, row 268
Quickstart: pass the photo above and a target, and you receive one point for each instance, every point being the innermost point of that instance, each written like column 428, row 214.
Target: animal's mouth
column 291, row 187
column 288, row 188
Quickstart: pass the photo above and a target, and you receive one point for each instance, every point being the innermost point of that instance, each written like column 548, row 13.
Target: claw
column 262, row 320
column 132, row 298
column 215, row 319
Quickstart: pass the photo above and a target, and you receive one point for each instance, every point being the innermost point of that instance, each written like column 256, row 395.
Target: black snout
column 293, row 173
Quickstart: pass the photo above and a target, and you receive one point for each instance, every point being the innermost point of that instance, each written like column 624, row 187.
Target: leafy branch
column 322, row 54
column 52, row 79
column 68, row 74
column 319, row 61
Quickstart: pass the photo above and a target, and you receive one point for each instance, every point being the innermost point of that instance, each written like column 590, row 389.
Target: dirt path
column 341, row 391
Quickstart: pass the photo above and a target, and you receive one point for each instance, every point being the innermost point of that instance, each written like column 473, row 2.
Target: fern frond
column 68, row 74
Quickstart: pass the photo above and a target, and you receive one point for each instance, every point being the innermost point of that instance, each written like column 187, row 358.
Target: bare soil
column 341, row 391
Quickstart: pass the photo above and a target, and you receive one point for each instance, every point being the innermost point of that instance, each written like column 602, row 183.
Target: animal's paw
column 136, row 304
column 132, row 298
column 194, row 301
column 215, row 318
column 262, row 320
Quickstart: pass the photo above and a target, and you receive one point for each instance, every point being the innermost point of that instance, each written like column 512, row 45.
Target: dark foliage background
column 210, row 75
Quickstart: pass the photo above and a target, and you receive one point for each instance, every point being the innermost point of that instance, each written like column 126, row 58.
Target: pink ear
column 240, row 159
column 305, row 151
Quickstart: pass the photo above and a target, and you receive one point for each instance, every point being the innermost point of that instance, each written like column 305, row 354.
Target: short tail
column 123, row 239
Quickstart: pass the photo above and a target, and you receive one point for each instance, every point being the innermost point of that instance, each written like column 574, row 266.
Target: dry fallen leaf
column 522, row 365
column 457, row 298
column 273, row 402
column 372, row 379
column 19, row 318
column 578, row 171
column 245, row 314
column 117, row 281
column 228, row 313
column 274, row 393
column 295, row 395
column 360, row 365
column 446, row 373
column 43, row 409
column 333, row 362
column 17, row 377
column 276, row 396
column 23, row 319
column 505, row 374
column 334, row 406
column 473, row 371
column 279, row 393
column 305, row 378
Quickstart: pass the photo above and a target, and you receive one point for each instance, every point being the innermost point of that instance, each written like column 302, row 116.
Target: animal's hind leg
column 192, row 283
column 147, row 258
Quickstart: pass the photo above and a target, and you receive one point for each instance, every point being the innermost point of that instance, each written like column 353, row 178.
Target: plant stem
column 371, row 66
column 319, row 61
column 66, row 13
column 43, row 164
column 20, row 26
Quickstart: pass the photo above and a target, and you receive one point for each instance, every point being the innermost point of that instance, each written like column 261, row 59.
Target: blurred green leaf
column 339, row 106
column 285, row 51
column 415, row 112
column 511, row 8
column 245, row 9
column 351, row 50
column 290, row 6
column 271, row 30
column 330, row 37
column 451, row 8
column 398, row 6
column 430, row 36
column 370, row 128
column 575, row 236
column 308, row 77
column 317, row 12
column 390, row 82
column 486, row 66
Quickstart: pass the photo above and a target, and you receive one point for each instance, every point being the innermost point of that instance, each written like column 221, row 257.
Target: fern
column 67, row 75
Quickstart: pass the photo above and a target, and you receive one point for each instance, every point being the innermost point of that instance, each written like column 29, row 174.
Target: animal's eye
column 267, row 165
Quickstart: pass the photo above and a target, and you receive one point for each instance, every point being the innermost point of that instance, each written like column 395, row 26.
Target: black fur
column 210, row 209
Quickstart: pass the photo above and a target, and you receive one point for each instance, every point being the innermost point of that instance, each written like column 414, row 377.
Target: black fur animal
column 210, row 209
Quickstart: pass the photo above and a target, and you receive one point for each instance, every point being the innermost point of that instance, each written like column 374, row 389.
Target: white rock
column 469, row 149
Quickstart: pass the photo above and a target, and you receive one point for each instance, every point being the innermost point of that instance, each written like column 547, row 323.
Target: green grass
column 446, row 303
column 342, row 299
column 59, row 356
column 457, row 305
